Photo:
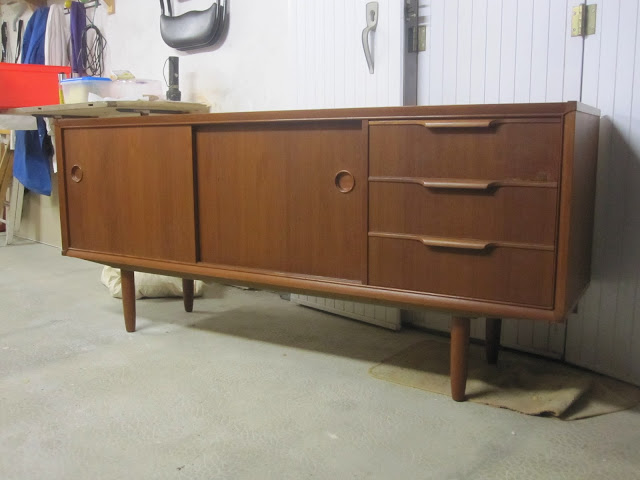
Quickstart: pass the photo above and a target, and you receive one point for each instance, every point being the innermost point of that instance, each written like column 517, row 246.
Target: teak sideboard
column 479, row 210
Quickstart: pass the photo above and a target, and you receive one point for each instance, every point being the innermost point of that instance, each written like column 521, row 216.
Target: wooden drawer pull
column 455, row 243
column 463, row 184
column 461, row 243
column 474, row 123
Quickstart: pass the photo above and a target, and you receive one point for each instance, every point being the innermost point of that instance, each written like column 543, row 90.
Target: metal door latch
column 372, row 23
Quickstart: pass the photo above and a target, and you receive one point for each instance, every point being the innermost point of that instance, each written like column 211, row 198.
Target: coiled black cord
column 92, row 54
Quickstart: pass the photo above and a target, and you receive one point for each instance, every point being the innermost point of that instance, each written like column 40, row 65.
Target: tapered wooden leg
column 492, row 339
column 129, row 299
column 460, row 328
column 187, row 294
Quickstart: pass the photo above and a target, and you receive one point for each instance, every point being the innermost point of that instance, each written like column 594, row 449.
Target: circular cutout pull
column 345, row 181
column 76, row 173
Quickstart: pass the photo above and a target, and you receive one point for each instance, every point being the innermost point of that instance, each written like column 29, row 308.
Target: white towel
column 57, row 37
column 57, row 40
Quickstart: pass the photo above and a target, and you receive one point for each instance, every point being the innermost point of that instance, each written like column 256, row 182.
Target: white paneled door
column 500, row 51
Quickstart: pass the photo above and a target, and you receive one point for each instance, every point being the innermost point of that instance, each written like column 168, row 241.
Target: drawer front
column 496, row 149
column 517, row 276
column 514, row 214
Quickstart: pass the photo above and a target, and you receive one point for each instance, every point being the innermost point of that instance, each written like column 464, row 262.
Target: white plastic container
column 136, row 89
column 77, row 90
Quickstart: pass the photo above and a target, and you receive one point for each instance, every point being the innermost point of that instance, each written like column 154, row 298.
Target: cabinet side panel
column 268, row 197
column 576, row 208
column 62, row 188
column 129, row 191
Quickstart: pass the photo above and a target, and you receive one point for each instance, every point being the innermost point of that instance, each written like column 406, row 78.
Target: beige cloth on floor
column 148, row 285
column 519, row 382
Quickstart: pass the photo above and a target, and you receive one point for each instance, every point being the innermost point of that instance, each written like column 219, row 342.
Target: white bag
column 147, row 284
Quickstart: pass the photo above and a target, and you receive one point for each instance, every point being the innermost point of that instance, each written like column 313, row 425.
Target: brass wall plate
column 422, row 38
column 592, row 11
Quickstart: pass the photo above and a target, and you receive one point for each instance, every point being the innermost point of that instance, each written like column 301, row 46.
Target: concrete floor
column 248, row 386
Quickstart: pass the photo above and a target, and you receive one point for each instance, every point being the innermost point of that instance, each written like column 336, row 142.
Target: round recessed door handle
column 76, row 173
column 345, row 181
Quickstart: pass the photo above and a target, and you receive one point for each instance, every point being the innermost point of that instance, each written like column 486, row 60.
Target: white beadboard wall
column 331, row 72
column 521, row 51
column 330, row 67
column 499, row 51
column 605, row 334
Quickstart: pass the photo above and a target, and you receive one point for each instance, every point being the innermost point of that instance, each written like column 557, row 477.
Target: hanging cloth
column 5, row 41
column 33, row 43
column 31, row 164
column 56, row 38
column 78, row 24
column 19, row 41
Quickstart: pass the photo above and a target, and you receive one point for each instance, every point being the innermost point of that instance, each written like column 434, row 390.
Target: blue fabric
column 33, row 42
column 31, row 162
column 78, row 24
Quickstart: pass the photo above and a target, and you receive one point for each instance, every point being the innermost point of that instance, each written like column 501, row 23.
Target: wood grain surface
column 516, row 214
column 524, row 151
column 485, row 211
column 268, row 198
column 512, row 275
column 135, row 196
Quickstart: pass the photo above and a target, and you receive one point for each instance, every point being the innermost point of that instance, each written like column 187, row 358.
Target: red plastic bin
column 26, row 85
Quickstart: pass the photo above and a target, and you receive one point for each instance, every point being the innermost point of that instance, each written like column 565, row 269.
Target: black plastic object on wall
column 194, row 29
column 174, row 79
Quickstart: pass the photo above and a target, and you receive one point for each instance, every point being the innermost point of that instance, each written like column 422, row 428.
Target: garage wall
column 249, row 71
column 605, row 334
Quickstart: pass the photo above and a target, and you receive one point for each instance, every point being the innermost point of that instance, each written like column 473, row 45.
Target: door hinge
column 583, row 20
column 417, row 39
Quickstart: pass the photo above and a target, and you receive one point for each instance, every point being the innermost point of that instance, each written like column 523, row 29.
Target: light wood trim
column 461, row 243
column 463, row 184
column 464, row 123
column 455, row 243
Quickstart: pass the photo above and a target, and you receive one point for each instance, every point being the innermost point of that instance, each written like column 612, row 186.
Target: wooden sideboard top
column 356, row 114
